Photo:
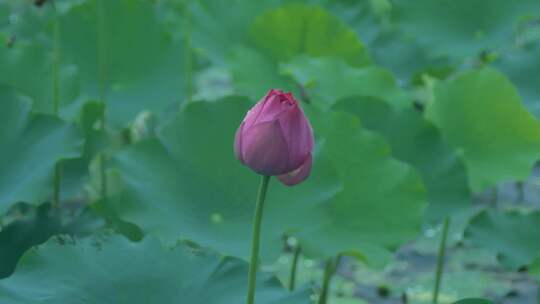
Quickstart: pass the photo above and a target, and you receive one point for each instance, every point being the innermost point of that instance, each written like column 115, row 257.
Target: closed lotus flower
column 276, row 138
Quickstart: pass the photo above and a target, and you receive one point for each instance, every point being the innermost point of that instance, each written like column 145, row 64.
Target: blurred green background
column 116, row 130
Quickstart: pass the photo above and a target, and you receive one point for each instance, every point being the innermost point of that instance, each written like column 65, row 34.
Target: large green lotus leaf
column 330, row 79
column 460, row 28
column 362, row 16
column 481, row 114
column 253, row 73
column 199, row 191
column 30, row 145
column 114, row 270
column 412, row 56
column 370, row 20
column 514, row 236
column 381, row 204
column 383, row 40
column 28, row 67
column 253, row 66
column 142, row 62
column 523, row 67
column 416, row 141
column 216, row 28
column 296, row 29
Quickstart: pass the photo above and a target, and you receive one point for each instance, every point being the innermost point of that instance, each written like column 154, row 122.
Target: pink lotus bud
column 276, row 138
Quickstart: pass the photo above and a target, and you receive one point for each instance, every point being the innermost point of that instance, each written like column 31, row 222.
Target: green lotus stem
column 56, row 63
column 440, row 260
column 255, row 240
column 328, row 272
column 294, row 266
column 102, row 66
column 102, row 51
column 188, row 60
column 56, row 100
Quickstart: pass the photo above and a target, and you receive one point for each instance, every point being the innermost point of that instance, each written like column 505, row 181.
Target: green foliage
column 481, row 114
column 192, row 182
column 514, row 236
column 27, row 67
column 253, row 73
column 139, row 61
column 523, row 67
column 114, row 270
column 31, row 145
column 330, row 79
column 217, row 28
column 418, row 143
column 382, row 200
column 418, row 108
column 469, row 26
column 207, row 197
column 296, row 29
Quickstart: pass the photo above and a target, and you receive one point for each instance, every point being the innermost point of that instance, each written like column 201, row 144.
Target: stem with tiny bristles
column 440, row 260
column 255, row 240
column 328, row 272
column 294, row 267
column 102, row 66
column 188, row 60
column 56, row 101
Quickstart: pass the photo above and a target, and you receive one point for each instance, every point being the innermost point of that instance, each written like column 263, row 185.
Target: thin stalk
column 327, row 277
column 294, row 267
column 56, row 101
column 440, row 260
column 255, row 240
column 102, row 60
column 188, row 61
column 102, row 66
column 56, row 62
